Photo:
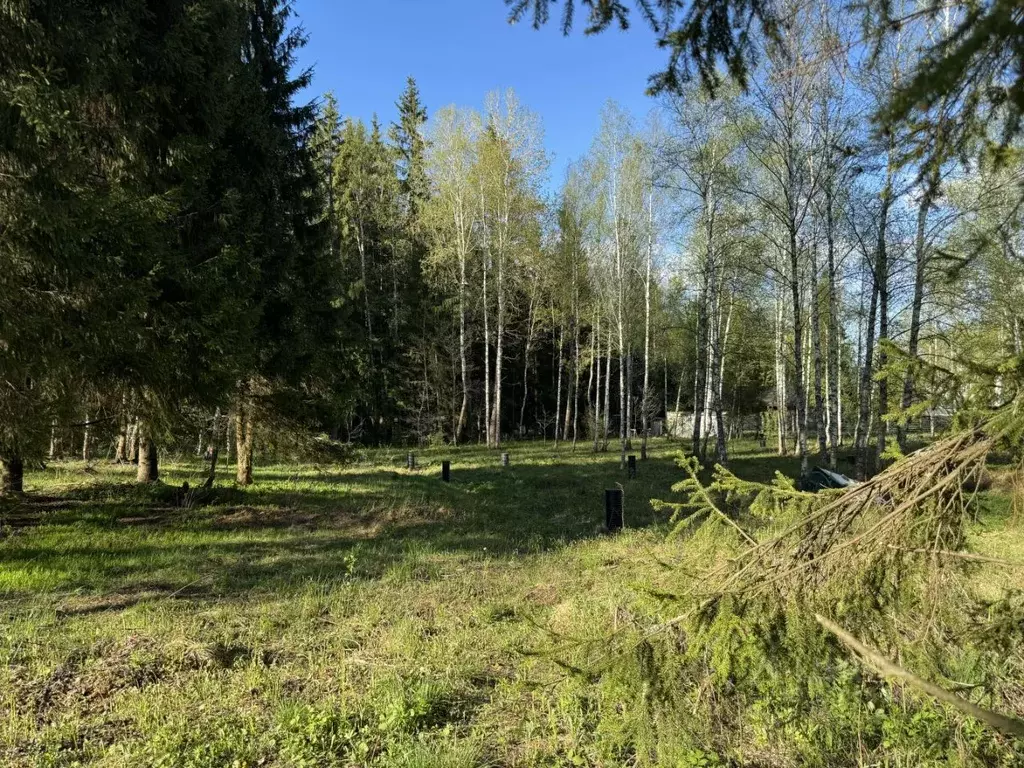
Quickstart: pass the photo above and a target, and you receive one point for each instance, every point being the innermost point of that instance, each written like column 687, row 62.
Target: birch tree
column 698, row 158
column 451, row 218
column 780, row 149
column 511, row 163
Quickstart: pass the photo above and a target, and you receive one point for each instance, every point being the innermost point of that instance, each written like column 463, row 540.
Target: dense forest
column 193, row 259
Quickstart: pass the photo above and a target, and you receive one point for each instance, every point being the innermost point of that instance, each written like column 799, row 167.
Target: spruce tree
column 293, row 296
column 413, row 316
column 406, row 135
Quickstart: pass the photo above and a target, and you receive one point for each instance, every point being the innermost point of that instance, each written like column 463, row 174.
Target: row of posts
column 446, row 466
column 612, row 496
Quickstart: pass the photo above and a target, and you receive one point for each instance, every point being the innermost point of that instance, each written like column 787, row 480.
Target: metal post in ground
column 613, row 509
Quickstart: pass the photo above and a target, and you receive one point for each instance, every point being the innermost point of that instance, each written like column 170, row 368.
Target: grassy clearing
column 355, row 615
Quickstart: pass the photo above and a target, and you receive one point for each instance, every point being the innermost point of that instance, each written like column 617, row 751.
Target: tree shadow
column 328, row 524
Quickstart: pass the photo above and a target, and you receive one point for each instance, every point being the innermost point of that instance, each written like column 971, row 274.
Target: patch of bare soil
column 544, row 595
column 84, row 682
column 141, row 592
column 266, row 517
column 365, row 523
column 29, row 511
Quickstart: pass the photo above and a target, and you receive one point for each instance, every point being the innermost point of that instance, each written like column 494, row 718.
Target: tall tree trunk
column 607, row 394
column 213, row 448
column 229, row 437
column 54, row 451
column 133, row 440
column 664, row 405
column 834, row 335
column 829, row 413
column 620, row 280
column 721, row 341
column 558, row 387
column 798, row 342
column 463, row 365
column 645, row 404
column 866, row 373
column 879, row 305
column 487, row 357
column 499, row 353
column 629, row 398
column 121, row 447
column 782, row 404
column 839, row 409
column 808, row 407
column 700, row 367
column 12, row 475
column 530, row 325
column 87, row 440
column 595, row 366
column 149, row 468
column 244, row 435
column 860, row 355
column 575, row 401
column 572, row 405
column 819, row 400
column 371, row 347
column 882, row 269
column 572, row 384
column 920, row 269
column 714, row 328
column 623, row 408
column 710, row 360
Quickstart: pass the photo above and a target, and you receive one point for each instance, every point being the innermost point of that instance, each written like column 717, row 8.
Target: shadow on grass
column 330, row 524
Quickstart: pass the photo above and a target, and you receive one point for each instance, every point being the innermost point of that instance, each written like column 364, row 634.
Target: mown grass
column 338, row 615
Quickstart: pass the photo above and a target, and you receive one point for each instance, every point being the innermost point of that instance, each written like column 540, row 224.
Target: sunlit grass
column 332, row 615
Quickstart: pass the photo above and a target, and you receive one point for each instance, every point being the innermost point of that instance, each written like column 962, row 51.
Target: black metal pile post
column 613, row 509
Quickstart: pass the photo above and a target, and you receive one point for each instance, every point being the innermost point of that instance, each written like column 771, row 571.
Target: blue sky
column 458, row 50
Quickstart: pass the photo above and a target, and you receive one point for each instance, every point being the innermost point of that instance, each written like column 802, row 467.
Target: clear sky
column 458, row 50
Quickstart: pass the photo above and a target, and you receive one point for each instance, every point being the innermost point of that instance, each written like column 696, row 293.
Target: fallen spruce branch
column 918, row 503
column 1008, row 725
column 961, row 555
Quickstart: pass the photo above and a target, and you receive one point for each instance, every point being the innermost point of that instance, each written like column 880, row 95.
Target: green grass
column 336, row 615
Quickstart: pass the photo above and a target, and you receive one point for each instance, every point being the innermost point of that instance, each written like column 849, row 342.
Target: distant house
column 680, row 424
